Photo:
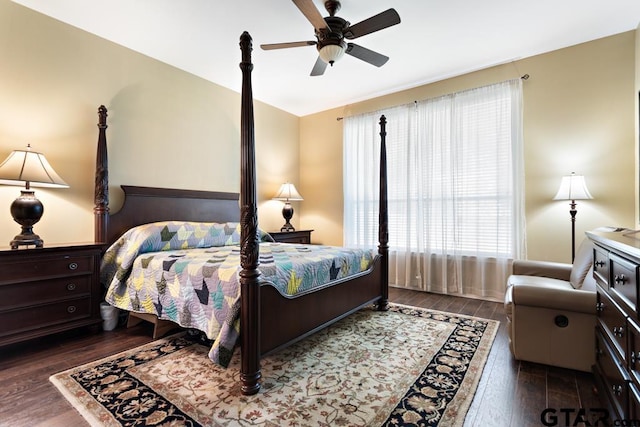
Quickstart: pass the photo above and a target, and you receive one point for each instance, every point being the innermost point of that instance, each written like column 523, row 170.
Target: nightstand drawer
column 16, row 321
column 302, row 240
column 32, row 293
column 41, row 267
column 302, row 237
column 49, row 290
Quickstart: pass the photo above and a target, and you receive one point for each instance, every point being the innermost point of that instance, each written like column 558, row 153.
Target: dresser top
column 48, row 247
column 626, row 241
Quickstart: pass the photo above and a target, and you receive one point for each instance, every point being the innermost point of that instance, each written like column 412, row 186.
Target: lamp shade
column 288, row 192
column 331, row 52
column 30, row 168
column 573, row 187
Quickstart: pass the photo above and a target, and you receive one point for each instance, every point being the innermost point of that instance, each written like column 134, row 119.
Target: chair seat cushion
column 547, row 293
column 546, row 282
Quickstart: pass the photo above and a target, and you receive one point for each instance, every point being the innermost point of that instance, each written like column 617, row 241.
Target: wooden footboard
column 284, row 321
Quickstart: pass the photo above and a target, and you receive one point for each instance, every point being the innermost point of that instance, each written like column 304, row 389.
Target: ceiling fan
column 332, row 30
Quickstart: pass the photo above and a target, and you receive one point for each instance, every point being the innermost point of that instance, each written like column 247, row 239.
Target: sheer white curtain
column 456, row 190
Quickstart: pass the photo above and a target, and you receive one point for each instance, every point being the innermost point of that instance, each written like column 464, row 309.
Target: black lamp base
column 287, row 227
column 26, row 238
column 287, row 213
column 26, row 210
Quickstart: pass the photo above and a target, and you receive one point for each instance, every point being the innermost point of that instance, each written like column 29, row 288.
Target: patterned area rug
column 407, row 366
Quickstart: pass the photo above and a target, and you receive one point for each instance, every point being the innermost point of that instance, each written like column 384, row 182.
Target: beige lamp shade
column 573, row 187
column 287, row 193
column 29, row 168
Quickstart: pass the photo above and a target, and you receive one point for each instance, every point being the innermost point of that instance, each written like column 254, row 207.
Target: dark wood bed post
column 383, row 219
column 249, row 249
column 101, row 189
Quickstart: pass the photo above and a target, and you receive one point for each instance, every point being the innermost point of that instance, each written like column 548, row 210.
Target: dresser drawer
column 613, row 321
column 49, row 290
column 16, row 321
column 601, row 265
column 623, row 282
column 616, row 382
column 38, row 292
column 633, row 361
column 42, row 267
column 634, row 403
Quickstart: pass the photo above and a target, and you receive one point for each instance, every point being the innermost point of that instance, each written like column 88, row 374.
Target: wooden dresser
column 48, row 290
column 617, row 369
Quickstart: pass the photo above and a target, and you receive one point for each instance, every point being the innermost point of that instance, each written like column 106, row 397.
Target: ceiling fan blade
column 310, row 11
column 367, row 55
column 272, row 46
column 375, row 23
column 319, row 67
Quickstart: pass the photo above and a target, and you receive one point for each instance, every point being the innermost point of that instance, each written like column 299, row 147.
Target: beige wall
column 578, row 116
column 167, row 128
column 637, row 127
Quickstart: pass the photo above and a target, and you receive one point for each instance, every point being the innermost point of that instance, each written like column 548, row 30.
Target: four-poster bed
column 269, row 319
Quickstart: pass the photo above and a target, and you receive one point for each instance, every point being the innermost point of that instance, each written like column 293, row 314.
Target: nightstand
column 48, row 290
column 298, row 236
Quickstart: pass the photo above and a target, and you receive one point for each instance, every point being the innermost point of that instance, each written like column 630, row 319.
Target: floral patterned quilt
column 188, row 273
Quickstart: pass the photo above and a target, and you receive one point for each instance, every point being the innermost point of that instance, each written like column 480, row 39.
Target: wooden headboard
column 143, row 205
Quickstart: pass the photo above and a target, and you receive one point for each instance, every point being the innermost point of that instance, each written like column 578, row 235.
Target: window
column 455, row 172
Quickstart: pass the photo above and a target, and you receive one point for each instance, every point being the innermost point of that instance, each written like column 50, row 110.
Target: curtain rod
column 523, row 77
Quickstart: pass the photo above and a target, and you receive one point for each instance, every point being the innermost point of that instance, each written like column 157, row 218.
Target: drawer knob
column 71, row 286
column 633, row 358
column 600, row 307
column 617, row 389
column 599, row 263
column 621, row 279
column 71, row 309
column 618, row 331
column 73, row 266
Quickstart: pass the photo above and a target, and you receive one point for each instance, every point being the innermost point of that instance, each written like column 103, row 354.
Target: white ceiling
column 435, row 40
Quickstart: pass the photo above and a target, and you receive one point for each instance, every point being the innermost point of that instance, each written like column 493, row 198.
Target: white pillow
column 581, row 263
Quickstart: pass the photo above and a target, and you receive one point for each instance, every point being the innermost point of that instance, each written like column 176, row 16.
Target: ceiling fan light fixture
column 330, row 53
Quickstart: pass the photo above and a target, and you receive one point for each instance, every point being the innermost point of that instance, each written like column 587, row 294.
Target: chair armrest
column 566, row 299
column 554, row 270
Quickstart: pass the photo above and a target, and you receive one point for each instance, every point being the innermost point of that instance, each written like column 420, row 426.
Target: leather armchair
column 551, row 311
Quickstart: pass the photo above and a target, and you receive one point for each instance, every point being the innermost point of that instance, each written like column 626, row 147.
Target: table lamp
column 287, row 193
column 28, row 168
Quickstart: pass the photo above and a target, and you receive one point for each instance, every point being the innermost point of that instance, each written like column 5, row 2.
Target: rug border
column 484, row 350
column 76, row 402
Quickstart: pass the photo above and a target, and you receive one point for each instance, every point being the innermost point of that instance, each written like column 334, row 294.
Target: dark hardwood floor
column 510, row 393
